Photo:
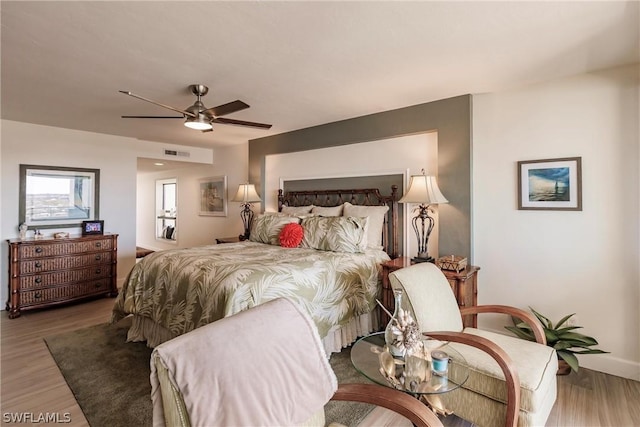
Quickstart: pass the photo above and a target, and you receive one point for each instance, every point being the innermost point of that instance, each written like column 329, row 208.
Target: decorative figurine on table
column 402, row 334
column 23, row 230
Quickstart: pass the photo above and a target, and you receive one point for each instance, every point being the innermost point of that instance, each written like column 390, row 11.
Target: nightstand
column 463, row 283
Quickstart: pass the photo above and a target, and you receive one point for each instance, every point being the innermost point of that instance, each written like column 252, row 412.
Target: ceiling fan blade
column 152, row 117
column 177, row 110
column 228, row 108
column 241, row 123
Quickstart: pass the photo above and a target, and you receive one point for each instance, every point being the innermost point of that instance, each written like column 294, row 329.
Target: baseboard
column 611, row 365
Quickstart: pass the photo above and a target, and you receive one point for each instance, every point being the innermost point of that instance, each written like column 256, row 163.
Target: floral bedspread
column 183, row 289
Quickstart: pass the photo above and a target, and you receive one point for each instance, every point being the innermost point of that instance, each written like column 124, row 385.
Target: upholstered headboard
column 363, row 197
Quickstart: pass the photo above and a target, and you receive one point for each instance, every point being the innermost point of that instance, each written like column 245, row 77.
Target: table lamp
column 423, row 189
column 246, row 195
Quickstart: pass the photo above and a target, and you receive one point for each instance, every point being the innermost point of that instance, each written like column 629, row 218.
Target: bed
column 333, row 272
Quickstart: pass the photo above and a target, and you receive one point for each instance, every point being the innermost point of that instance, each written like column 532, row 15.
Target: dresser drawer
column 38, row 281
column 60, row 263
column 48, row 249
column 63, row 293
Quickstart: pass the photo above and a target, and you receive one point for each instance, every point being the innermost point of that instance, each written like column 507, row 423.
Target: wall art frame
column 213, row 196
column 58, row 196
column 550, row 184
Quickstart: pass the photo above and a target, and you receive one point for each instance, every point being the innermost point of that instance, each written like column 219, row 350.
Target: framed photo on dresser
column 92, row 227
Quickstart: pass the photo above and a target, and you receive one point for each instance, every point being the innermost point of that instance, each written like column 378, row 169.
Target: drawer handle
column 98, row 244
column 98, row 257
column 98, row 285
column 98, row 270
column 38, row 279
column 37, row 295
column 38, row 250
column 38, row 264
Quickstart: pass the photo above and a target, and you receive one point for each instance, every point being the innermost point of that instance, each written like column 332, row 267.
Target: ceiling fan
column 199, row 117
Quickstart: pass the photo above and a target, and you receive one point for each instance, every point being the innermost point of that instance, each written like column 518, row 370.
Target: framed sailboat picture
column 550, row 184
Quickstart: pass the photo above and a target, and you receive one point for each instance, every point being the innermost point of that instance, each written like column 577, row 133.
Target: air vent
column 177, row 153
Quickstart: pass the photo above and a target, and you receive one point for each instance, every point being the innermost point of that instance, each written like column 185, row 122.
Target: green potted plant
column 562, row 337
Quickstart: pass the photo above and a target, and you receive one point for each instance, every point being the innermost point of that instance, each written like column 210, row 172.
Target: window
column 166, row 206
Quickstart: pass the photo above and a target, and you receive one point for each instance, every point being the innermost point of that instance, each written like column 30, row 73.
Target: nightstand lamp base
column 422, row 259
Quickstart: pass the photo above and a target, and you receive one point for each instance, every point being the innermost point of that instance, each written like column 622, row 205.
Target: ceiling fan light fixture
column 198, row 123
column 197, row 116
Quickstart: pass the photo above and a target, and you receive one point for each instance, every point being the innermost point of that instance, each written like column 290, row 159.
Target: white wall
column 193, row 230
column 116, row 157
column 390, row 156
column 561, row 262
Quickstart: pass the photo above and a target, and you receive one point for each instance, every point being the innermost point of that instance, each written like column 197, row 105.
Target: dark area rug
column 110, row 377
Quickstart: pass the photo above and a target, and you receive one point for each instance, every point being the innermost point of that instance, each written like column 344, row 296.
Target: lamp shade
column 247, row 194
column 423, row 189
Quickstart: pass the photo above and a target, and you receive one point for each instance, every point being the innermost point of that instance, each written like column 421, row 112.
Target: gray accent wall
column 451, row 118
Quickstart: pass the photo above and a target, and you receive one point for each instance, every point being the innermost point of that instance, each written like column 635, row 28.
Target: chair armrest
column 492, row 349
column 525, row 316
column 395, row 400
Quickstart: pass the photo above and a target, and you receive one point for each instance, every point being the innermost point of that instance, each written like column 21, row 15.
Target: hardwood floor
column 31, row 382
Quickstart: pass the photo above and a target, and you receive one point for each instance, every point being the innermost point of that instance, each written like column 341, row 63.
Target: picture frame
column 92, row 227
column 213, row 196
column 550, row 184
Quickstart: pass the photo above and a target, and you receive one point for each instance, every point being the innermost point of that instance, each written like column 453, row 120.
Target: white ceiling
column 298, row 64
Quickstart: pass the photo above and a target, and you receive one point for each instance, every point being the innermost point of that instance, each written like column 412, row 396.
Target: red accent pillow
column 291, row 235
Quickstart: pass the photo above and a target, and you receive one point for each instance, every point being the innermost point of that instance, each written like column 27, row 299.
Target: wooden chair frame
column 417, row 412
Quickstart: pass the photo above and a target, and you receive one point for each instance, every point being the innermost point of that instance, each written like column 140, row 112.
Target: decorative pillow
column 296, row 210
column 291, row 235
column 274, row 213
column 327, row 211
column 299, row 216
column 267, row 228
column 337, row 234
column 376, row 216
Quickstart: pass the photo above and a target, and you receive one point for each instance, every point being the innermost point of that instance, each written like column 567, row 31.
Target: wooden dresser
column 47, row 272
column 464, row 285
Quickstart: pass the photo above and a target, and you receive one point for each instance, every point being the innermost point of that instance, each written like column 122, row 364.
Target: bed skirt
column 144, row 329
column 342, row 336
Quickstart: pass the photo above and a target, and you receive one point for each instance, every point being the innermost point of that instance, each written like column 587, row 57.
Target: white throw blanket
column 262, row 367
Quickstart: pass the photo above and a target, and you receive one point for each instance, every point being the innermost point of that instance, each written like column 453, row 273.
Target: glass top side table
column 365, row 358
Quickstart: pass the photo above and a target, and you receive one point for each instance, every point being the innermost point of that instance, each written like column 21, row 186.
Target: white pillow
column 296, row 210
column 328, row 211
column 376, row 215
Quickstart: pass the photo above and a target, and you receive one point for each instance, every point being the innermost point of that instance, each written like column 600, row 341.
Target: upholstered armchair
column 262, row 367
column 511, row 381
